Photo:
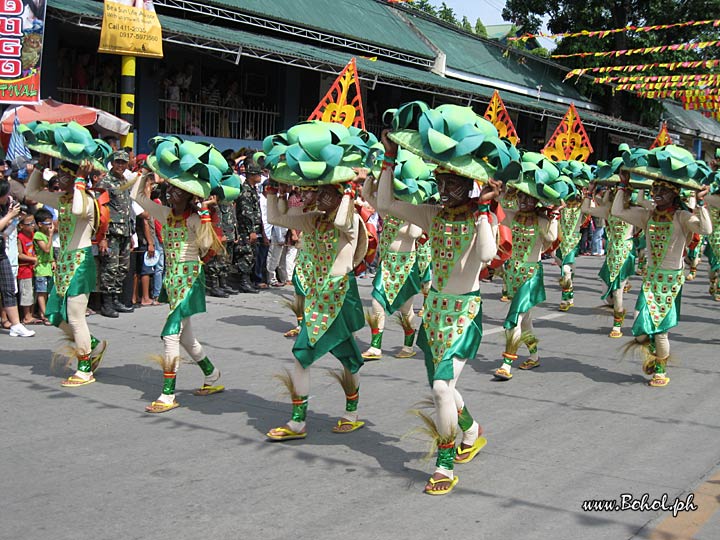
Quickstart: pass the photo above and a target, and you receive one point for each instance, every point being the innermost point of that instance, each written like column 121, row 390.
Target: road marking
column 498, row 329
column 687, row 524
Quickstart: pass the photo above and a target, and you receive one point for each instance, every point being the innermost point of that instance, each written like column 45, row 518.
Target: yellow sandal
column 502, row 374
column 467, row 455
column 529, row 364
column 451, row 481
column 74, row 380
column 161, row 407
column 208, row 390
column 342, row 422
column 286, row 434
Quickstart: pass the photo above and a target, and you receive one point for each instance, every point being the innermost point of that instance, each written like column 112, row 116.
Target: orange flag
column 570, row 140
column 498, row 115
column 343, row 102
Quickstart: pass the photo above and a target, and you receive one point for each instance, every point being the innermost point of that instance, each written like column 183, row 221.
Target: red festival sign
column 22, row 26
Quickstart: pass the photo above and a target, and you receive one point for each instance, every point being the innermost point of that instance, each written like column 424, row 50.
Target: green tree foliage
column 465, row 24
column 572, row 16
column 425, row 6
column 447, row 14
column 480, row 29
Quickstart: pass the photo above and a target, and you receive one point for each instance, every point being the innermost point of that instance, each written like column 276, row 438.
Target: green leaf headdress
column 541, row 178
column 629, row 158
column 454, row 137
column 191, row 166
column 675, row 165
column 316, row 153
column 413, row 180
column 579, row 172
column 67, row 141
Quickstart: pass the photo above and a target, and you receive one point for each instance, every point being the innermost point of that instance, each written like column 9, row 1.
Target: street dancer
column 541, row 189
column 398, row 277
column 334, row 242
column 668, row 228
column 462, row 239
column 78, row 216
column 569, row 232
column 192, row 170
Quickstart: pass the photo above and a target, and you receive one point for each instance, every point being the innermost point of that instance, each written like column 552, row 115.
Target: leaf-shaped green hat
column 673, row 164
column 579, row 172
column 413, row 180
column 713, row 180
column 540, row 178
column 67, row 141
column 316, row 153
column 629, row 158
column 454, row 137
column 228, row 189
column 191, row 166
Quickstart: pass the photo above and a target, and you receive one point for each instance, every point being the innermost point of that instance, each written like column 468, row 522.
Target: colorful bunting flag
column 688, row 46
column 570, row 140
column 704, row 64
column 498, row 115
column 604, row 33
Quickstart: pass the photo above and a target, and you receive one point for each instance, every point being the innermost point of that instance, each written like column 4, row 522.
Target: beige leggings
column 76, row 328
column 524, row 325
column 662, row 344
column 186, row 339
column 406, row 310
column 448, row 401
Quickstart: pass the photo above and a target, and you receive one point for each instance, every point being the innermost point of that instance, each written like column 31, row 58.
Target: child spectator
column 26, row 263
column 45, row 260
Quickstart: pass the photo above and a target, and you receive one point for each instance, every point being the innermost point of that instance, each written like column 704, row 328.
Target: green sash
column 184, row 282
column 619, row 264
column 424, row 261
column 712, row 251
column 331, row 316
column 659, row 304
column 569, row 234
column 530, row 293
column 451, row 328
column 75, row 274
column 396, row 280
column 302, row 266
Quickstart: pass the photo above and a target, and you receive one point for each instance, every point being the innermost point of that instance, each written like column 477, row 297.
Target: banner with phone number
column 22, row 28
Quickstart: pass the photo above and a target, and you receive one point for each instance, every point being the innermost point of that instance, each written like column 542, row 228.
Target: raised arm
column 369, row 192
column 277, row 214
column 548, row 230
column 634, row 215
column 157, row 211
column 420, row 214
column 36, row 190
column 601, row 208
column 485, row 243
column 696, row 222
column 344, row 217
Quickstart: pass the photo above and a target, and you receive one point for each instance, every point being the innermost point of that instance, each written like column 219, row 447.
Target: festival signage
column 131, row 28
column 22, row 26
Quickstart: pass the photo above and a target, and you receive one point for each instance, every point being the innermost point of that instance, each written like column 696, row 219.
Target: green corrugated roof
column 474, row 55
column 692, row 121
column 366, row 68
column 363, row 20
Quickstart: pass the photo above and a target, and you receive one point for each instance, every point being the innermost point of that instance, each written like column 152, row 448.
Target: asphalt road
column 88, row 463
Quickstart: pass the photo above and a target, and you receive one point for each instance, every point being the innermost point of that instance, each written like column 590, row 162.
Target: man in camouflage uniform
column 114, row 249
column 249, row 225
column 218, row 268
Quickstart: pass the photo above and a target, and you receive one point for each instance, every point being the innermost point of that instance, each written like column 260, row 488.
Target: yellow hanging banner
column 131, row 27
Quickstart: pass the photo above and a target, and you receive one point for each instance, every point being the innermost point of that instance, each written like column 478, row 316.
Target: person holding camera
column 9, row 210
